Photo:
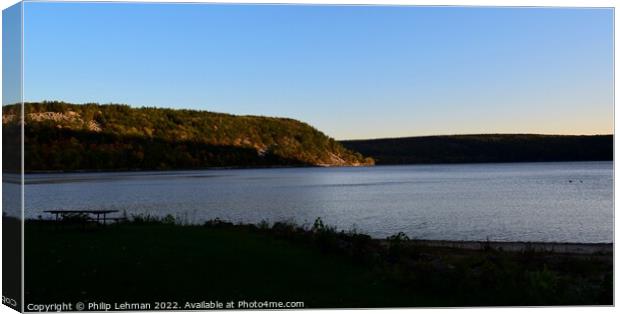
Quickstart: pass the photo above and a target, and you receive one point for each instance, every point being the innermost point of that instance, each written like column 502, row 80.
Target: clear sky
column 351, row 71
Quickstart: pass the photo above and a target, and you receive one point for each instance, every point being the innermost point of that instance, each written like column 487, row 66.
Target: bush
column 148, row 219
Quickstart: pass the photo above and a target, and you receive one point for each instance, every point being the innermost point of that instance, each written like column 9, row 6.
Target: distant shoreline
column 483, row 148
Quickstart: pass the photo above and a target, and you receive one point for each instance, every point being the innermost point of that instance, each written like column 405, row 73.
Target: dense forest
column 485, row 148
column 68, row 137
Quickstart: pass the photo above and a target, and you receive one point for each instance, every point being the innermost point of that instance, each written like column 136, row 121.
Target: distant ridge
column 86, row 137
column 479, row 148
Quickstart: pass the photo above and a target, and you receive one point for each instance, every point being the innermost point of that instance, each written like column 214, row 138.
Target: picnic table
column 99, row 215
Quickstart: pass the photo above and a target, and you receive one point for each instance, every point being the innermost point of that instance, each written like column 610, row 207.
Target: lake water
column 567, row 202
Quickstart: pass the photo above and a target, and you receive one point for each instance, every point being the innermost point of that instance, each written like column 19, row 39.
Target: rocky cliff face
column 70, row 119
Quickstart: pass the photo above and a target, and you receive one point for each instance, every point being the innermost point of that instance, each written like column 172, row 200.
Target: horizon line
column 470, row 134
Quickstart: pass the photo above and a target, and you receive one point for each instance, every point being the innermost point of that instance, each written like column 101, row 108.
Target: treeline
column 67, row 137
column 485, row 148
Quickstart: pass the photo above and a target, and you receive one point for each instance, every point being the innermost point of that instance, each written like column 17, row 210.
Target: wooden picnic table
column 98, row 213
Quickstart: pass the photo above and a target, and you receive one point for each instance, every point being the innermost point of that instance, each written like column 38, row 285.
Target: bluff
column 68, row 137
column 485, row 148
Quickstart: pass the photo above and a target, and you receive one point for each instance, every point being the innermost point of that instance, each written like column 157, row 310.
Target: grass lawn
column 156, row 262
column 136, row 263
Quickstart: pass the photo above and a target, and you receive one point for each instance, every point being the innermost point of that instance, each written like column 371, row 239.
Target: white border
column 504, row 3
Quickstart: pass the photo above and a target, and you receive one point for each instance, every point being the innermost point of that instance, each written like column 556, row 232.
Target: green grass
column 146, row 260
column 192, row 263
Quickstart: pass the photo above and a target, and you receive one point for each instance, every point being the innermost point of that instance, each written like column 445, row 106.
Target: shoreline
column 517, row 246
column 293, row 166
column 581, row 248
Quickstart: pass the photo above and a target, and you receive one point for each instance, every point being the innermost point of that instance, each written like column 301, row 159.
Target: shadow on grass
column 147, row 258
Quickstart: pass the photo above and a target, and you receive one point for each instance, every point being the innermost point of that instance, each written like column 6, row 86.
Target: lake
column 563, row 201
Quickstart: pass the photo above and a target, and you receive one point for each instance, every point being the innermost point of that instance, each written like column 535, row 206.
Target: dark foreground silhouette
column 149, row 259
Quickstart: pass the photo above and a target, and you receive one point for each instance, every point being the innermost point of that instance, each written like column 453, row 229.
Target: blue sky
column 351, row 71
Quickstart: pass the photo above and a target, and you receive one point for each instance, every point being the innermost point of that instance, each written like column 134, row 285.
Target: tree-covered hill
column 67, row 137
column 485, row 148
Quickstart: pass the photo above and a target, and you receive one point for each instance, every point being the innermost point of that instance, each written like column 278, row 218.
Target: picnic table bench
column 93, row 215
